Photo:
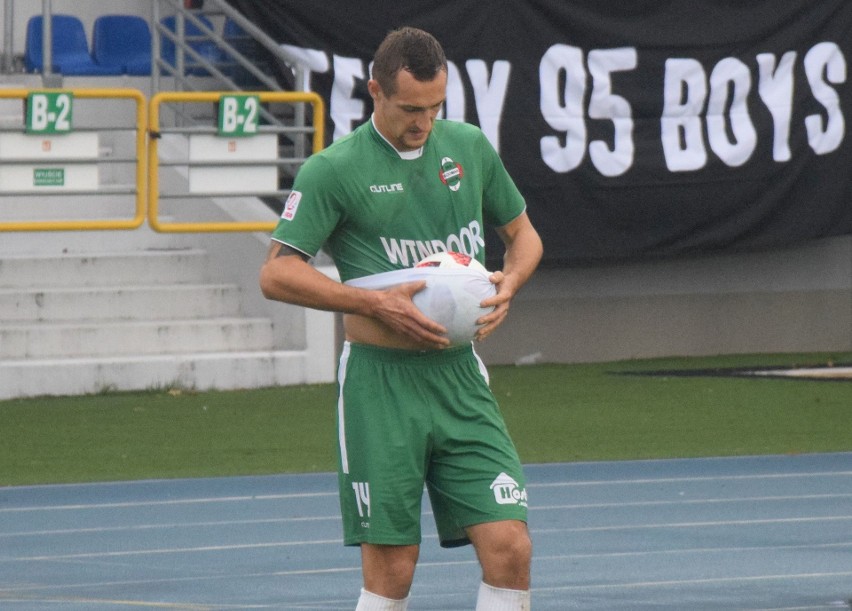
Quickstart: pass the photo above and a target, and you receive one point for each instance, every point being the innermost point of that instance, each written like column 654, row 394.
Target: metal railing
column 228, row 169
column 40, row 160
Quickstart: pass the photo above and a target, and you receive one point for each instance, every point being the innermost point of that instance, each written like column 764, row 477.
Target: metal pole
column 8, row 35
column 47, row 38
column 155, row 46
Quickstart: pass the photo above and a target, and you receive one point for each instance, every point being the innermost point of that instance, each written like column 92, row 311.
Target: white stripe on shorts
column 482, row 369
column 341, row 429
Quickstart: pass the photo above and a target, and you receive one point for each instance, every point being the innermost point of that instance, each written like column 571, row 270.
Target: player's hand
column 500, row 302
column 397, row 311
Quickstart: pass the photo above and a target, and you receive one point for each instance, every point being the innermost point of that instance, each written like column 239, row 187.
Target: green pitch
column 555, row 413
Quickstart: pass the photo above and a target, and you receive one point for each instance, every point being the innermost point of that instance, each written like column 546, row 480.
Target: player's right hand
column 396, row 310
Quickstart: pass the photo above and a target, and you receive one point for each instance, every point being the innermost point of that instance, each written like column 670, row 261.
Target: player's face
column 406, row 117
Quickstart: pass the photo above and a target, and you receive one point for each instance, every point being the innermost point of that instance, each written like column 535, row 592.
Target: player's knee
column 388, row 570
column 506, row 562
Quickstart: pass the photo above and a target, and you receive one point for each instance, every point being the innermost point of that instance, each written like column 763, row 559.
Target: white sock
column 500, row 599
column 373, row 602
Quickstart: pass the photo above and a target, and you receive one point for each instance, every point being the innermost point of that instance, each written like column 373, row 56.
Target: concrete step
column 222, row 371
column 88, row 242
column 119, row 268
column 97, row 339
column 104, row 303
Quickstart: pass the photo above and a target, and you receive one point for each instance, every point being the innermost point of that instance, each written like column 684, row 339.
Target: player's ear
column 374, row 88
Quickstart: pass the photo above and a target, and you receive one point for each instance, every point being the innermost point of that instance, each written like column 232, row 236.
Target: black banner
column 634, row 129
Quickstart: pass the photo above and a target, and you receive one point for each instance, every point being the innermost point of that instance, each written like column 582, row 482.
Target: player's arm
column 287, row 276
column 523, row 253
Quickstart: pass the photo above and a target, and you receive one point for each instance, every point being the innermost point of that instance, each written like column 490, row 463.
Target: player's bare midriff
column 363, row 330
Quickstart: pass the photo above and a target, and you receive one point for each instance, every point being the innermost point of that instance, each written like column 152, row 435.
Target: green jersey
column 379, row 210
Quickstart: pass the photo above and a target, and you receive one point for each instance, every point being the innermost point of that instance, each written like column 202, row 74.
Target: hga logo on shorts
column 507, row 492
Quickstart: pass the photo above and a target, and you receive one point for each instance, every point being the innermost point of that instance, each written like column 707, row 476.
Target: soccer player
column 412, row 409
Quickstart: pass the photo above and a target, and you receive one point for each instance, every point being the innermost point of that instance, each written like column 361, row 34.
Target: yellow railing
column 140, row 166
column 148, row 133
column 155, row 163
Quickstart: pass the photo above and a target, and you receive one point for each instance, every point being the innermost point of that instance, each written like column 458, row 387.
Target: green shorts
column 406, row 419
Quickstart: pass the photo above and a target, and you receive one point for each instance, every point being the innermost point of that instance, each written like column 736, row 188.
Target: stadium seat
column 69, row 48
column 123, row 42
column 249, row 48
column 194, row 38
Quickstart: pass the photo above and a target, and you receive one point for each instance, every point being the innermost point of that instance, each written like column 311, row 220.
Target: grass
column 555, row 413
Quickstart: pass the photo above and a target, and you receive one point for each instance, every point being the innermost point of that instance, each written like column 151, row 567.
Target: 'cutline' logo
column 507, row 492
column 451, row 173
column 393, row 188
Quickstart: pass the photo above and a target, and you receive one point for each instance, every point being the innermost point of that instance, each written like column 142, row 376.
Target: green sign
column 49, row 112
column 238, row 115
column 49, row 177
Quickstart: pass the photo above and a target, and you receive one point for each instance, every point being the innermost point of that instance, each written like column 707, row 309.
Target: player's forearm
column 291, row 280
column 523, row 253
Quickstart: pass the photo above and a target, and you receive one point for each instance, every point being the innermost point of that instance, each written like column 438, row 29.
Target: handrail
column 140, row 175
column 213, row 96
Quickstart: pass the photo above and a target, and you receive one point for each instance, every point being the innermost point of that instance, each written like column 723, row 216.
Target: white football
column 455, row 286
column 454, row 289
column 453, row 260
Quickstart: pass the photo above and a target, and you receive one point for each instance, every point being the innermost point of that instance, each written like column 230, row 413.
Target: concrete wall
column 784, row 300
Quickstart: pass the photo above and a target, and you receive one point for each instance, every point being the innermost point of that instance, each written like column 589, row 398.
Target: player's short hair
column 409, row 49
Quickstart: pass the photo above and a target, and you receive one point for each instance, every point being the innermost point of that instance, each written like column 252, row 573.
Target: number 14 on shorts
column 362, row 497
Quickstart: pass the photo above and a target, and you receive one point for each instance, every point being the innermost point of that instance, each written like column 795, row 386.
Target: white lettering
column 362, row 499
column 563, row 109
column 489, row 95
column 606, row 105
column 310, row 60
column 344, row 109
column 408, row 252
column 684, row 91
column 775, row 87
column 825, row 58
column 455, row 106
column 396, row 254
column 730, row 78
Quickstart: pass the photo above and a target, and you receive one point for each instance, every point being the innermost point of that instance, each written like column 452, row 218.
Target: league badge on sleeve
column 291, row 205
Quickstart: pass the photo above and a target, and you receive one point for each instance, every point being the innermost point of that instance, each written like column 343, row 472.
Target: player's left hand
column 500, row 302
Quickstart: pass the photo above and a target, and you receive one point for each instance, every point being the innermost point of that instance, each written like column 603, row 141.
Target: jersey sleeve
column 312, row 210
column 502, row 202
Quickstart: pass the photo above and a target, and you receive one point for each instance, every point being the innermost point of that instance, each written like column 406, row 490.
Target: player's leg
column 504, row 551
column 478, row 490
column 388, row 572
column 382, row 434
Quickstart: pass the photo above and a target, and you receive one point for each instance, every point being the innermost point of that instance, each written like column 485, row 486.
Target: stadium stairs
column 139, row 310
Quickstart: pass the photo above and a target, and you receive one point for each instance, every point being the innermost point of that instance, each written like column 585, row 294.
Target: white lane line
column 167, row 526
column 710, row 501
column 239, row 577
column 195, row 501
column 706, row 524
column 690, row 582
column 693, row 550
column 700, row 478
column 175, row 550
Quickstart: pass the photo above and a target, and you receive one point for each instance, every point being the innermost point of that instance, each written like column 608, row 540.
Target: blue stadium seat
column 249, row 48
column 196, row 39
column 123, row 42
column 69, row 48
